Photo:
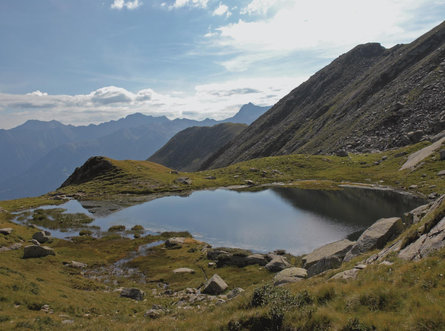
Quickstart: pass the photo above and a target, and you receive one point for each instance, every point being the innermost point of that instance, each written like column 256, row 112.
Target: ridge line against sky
column 84, row 61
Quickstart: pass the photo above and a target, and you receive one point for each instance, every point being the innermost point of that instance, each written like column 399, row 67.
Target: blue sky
column 83, row 61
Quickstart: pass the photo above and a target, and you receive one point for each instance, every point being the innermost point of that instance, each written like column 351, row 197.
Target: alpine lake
column 292, row 219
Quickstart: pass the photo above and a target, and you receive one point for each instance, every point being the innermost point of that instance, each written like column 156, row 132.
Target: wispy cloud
column 216, row 100
column 328, row 27
column 221, row 10
column 120, row 4
column 189, row 3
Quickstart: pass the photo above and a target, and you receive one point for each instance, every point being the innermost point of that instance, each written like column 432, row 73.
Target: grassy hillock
column 306, row 171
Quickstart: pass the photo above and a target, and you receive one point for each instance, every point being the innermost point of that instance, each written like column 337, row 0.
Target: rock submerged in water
column 376, row 236
column 34, row 251
column 214, row 286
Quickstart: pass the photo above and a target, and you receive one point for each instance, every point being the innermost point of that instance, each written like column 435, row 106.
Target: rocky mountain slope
column 41, row 155
column 370, row 98
column 188, row 149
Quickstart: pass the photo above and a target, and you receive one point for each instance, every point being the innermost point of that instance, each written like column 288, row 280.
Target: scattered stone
column 386, row 263
column 183, row 180
column 385, row 157
column 347, row 274
column 133, row 293
column 433, row 196
column 290, row 275
column 42, row 236
column 441, row 173
column 173, row 172
column 211, row 264
column 34, row 251
column 183, row 271
column 413, row 187
column 376, row 236
column 250, row 182
column 327, row 257
column 279, row 251
column 175, row 242
column 35, row 242
column 234, row 293
column 13, row 247
column 256, row 259
column 75, row 264
column 47, row 309
column 67, row 322
column 156, row 311
column 442, row 154
column 341, row 153
column 360, row 266
column 277, row 263
column 6, row 231
column 214, row 286
column 210, row 177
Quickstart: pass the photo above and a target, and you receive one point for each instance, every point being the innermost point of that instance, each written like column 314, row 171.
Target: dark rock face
column 133, row 293
column 94, row 167
column 370, row 98
column 34, row 251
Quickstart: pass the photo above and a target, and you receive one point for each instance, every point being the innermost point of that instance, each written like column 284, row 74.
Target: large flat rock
column 376, row 236
column 417, row 157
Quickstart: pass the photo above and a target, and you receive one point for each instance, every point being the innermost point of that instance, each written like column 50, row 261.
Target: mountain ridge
column 368, row 99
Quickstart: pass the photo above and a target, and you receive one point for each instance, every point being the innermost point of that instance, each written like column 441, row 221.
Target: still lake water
column 278, row 218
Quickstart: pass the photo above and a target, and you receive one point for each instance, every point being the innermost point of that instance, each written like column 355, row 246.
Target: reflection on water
column 288, row 218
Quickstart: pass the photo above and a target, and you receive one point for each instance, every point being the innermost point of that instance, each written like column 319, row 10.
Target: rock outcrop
column 42, row 236
column 376, row 236
column 277, row 263
column 95, row 166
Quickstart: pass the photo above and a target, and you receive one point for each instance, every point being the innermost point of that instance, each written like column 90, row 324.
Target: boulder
column 290, row 275
column 256, row 259
column 34, row 251
column 174, row 242
column 427, row 243
column 414, row 216
column 133, row 293
column 41, row 236
column 214, row 286
column 75, row 264
column 183, row 180
column 376, row 236
column 277, row 263
column 156, row 311
column 183, row 271
column 235, row 292
column 327, row 257
column 441, row 173
column 6, row 231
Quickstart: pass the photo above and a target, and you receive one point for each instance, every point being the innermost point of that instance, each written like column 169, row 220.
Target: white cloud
column 216, row 100
column 222, row 10
column 38, row 93
column 189, row 3
column 120, row 4
column 259, row 7
column 330, row 27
